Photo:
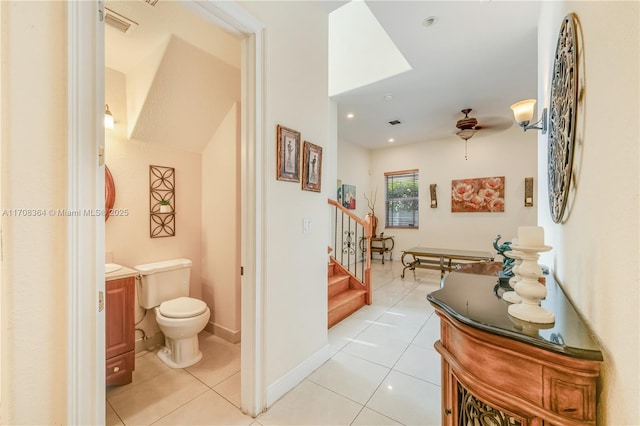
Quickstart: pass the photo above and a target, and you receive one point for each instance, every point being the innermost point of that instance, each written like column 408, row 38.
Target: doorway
column 85, row 394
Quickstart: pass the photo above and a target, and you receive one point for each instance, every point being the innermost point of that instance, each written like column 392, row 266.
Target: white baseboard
column 287, row 382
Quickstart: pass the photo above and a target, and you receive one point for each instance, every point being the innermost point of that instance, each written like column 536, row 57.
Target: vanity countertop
column 123, row 272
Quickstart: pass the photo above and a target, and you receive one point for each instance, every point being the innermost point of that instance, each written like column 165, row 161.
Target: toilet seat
column 182, row 307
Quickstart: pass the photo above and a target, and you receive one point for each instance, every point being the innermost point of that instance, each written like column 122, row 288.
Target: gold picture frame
column 288, row 167
column 312, row 167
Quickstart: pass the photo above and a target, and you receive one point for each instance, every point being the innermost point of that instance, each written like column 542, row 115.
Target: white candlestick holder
column 530, row 290
column 512, row 296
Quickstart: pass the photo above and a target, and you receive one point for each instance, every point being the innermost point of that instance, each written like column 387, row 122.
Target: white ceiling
column 480, row 54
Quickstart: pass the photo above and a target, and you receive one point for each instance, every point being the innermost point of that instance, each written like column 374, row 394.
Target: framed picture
column 477, row 195
column 312, row 167
column 288, row 154
column 349, row 196
column 339, row 192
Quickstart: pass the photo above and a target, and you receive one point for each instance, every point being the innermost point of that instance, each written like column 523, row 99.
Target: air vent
column 394, row 122
column 119, row 22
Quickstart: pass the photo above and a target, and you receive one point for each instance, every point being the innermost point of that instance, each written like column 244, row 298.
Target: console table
column 439, row 259
column 509, row 371
column 382, row 244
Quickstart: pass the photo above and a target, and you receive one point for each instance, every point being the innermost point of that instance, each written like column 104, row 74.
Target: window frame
column 416, row 211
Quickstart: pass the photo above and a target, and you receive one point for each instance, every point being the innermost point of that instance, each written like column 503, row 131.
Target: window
column 401, row 202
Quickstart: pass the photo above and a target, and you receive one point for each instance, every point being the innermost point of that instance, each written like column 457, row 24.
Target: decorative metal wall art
column 475, row 412
column 562, row 117
column 162, row 201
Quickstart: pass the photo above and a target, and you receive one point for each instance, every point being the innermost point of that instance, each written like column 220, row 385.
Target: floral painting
column 478, row 195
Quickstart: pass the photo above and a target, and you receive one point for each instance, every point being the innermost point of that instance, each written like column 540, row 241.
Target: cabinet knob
column 116, row 369
column 447, row 411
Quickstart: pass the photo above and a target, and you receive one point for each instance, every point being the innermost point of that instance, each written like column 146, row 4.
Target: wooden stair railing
column 349, row 273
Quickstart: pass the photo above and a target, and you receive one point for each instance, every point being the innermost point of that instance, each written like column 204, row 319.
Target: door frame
column 85, row 261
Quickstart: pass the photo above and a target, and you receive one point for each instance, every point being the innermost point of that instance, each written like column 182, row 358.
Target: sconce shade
column 523, row 111
column 108, row 118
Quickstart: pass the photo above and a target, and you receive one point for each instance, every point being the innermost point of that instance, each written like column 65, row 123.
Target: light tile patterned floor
column 383, row 371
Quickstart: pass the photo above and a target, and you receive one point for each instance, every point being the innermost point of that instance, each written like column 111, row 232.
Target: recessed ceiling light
column 350, row 115
column 391, row 140
column 388, row 97
column 431, row 20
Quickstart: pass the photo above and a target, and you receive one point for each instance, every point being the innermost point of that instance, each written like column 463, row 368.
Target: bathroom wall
column 220, row 244
column 127, row 236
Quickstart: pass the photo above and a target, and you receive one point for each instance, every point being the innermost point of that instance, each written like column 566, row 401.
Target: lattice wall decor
column 562, row 117
column 162, row 201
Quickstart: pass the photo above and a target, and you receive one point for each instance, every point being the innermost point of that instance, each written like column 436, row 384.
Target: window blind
column 402, row 202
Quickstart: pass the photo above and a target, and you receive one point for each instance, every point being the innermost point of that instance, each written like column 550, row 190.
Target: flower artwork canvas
column 477, row 195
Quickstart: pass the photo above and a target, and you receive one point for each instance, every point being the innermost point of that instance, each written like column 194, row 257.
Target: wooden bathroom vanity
column 119, row 321
column 513, row 372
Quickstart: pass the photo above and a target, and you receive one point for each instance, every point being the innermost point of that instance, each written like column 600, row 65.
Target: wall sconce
column 523, row 112
column 528, row 192
column 108, row 118
column 434, row 200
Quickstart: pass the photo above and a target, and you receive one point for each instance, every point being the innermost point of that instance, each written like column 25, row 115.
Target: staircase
column 346, row 294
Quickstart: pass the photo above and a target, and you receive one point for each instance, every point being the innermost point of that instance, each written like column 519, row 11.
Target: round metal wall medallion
column 562, row 117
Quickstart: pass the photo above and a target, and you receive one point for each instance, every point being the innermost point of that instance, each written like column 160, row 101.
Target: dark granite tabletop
column 474, row 300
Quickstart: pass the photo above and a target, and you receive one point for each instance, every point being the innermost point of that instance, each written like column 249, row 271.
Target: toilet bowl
column 180, row 320
column 164, row 287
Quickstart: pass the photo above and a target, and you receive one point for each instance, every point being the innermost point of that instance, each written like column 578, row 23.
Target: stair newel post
column 368, row 229
column 367, row 272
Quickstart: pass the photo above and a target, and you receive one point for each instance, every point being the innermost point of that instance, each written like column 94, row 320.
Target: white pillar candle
column 531, row 236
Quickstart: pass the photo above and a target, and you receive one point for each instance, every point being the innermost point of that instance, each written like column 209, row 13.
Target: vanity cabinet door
column 120, row 336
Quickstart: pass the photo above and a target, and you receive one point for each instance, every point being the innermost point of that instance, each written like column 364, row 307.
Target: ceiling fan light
column 523, row 111
column 466, row 134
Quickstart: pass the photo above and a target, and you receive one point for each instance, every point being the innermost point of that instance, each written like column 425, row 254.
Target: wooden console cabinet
column 120, row 334
column 499, row 370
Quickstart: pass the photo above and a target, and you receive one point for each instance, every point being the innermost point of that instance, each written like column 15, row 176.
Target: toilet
column 164, row 287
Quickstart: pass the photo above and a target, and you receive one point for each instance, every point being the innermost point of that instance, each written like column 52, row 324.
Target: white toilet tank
column 161, row 281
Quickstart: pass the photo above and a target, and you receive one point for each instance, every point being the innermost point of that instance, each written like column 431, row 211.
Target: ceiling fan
column 467, row 127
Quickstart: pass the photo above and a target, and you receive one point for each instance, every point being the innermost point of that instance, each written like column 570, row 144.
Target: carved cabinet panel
column 490, row 379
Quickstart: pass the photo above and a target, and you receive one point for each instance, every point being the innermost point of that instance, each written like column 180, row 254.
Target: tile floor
column 383, row 371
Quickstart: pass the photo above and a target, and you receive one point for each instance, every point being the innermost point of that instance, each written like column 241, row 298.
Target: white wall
column 127, row 237
column 511, row 153
column 220, row 247
column 34, row 172
column 354, row 162
column 595, row 252
column 295, row 277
